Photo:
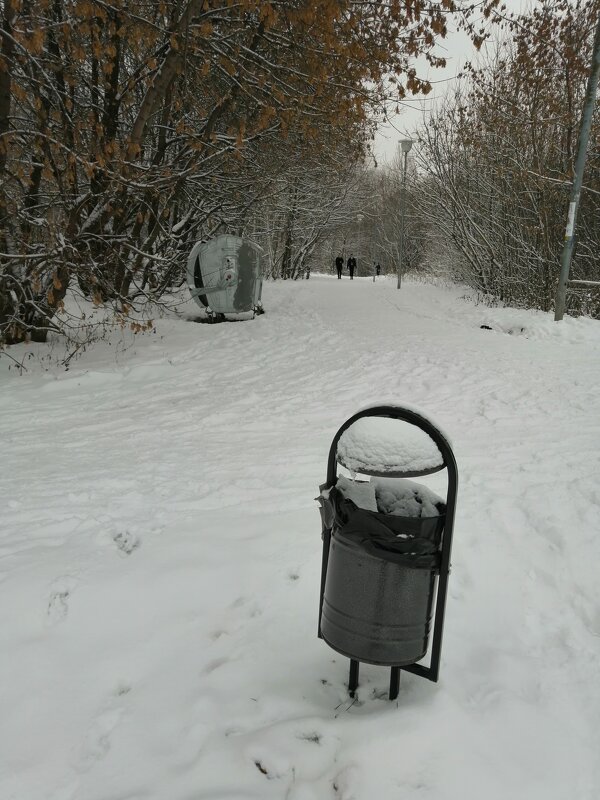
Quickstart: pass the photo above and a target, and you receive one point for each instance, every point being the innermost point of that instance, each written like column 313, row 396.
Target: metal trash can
column 384, row 575
column 224, row 276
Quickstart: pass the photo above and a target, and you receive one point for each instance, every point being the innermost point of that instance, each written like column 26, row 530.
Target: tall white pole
column 582, row 144
column 359, row 247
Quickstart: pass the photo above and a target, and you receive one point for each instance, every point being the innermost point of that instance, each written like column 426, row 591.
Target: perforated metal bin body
column 375, row 610
column 225, row 274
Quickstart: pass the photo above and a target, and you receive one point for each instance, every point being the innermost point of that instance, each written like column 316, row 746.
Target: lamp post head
column 405, row 145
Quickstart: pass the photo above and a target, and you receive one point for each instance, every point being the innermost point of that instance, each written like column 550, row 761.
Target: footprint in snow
column 97, row 740
column 310, row 736
column 58, row 600
column 251, row 609
column 344, row 783
column 213, row 665
column 126, row 541
column 255, row 611
column 303, row 753
column 58, row 606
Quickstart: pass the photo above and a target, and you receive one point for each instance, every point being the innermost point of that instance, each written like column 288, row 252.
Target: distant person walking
column 339, row 265
column 351, row 266
column 378, row 269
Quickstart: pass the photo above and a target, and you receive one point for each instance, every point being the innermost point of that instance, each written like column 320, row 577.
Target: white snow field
column 160, row 558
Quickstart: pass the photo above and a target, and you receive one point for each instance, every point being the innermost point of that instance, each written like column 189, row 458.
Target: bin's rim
column 398, row 559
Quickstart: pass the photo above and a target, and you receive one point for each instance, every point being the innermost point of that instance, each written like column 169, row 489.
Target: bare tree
column 497, row 161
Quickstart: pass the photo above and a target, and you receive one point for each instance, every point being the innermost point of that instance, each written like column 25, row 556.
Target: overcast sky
column 457, row 49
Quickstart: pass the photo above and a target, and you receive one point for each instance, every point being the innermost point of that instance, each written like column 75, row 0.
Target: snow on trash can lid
column 388, row 447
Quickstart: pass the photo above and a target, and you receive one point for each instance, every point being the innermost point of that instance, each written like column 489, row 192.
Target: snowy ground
column 160, row 556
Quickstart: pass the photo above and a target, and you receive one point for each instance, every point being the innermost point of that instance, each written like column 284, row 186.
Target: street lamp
column 405, row 145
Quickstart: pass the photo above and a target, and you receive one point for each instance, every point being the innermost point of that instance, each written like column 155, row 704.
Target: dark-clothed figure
column 351, row 266
column 339, row 265
column 378, row 269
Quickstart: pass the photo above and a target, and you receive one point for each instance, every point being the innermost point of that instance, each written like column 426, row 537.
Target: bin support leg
column 353, row 679
column 394, row 682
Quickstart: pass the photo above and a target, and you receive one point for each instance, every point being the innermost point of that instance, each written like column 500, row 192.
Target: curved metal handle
column 406, row 415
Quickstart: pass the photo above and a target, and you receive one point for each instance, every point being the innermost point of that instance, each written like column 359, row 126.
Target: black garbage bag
column 410, row 541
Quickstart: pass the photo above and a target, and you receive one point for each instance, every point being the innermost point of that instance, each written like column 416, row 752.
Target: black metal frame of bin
column 432, row 671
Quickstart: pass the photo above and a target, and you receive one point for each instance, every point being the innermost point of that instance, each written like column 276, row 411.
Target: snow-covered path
column 160, row 557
